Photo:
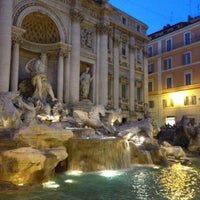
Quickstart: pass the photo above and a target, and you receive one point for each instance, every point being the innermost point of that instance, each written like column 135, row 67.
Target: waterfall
column 108, row 153
column 149, row 158
column 139, row 155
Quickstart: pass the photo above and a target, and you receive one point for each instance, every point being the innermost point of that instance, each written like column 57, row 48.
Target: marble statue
column 92, row 118
column 10, row 116
column 95, row 119
column 85, row 80
column 114, row 116
column 43, row 89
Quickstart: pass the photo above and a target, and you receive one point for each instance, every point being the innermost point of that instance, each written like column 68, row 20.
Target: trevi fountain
column 49, row 150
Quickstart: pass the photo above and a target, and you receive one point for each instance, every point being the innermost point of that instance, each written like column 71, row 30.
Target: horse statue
column 91, row 119
column 114, row 116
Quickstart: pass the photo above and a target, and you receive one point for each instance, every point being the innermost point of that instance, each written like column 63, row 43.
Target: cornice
column 49, row 48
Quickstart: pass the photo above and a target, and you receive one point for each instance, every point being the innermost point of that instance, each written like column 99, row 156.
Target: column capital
column 62, row 53
column 103, row 28
column 17, row 34
column 76, row 15
column 116, row 41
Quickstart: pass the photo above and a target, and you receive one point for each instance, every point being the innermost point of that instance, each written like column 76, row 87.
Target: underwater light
column 50, row 184
column 69, row 181
column 74, row 173
column 110, row 173
column 156, row 167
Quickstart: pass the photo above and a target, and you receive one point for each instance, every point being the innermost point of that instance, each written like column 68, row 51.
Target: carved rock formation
column 28, row 165
column 43, row 136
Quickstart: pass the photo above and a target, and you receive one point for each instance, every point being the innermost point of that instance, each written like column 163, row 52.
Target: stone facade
column 70, row 36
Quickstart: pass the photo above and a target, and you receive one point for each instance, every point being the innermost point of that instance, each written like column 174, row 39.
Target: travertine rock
column 28, row 165
column 43, row 136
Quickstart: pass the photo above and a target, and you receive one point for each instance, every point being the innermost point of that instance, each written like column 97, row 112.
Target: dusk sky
column 158, row 13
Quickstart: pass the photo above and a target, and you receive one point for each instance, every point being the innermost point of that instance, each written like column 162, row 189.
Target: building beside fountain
column 174, row 67
column 72, row 37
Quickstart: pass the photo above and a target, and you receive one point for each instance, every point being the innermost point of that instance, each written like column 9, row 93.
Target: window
column 124, row 91
column 150, row 86
column 168, row 45
column 150, row 51
column 167, row 63
column 123, row 48
column 188, row 78
column 138, row 28
column 167, row 103
column 150, row 68
column 190, row 100
column 169, row 82
column 139, row 55
column 186, row 58
column 139, row 94
column 187, row 38
column 151, row 104
column 124, row 20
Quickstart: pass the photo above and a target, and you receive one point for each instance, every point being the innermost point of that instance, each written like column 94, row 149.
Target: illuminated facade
column 70, row 36
column 174, row 72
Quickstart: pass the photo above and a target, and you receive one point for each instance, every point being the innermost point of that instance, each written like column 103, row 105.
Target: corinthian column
column 14, row 75
column 116, row 72
column 60, row 76
column 75, row 55
column 102, row 30
column 66, row 78
column 6, row 7
column 15, row 67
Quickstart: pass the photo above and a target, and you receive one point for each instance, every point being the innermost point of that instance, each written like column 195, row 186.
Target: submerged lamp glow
column 69, row 181
column 74, row 173
column 110, row 173
column 50, row 184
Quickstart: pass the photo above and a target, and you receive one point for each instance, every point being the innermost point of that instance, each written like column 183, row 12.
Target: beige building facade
column 70, row 36
column 174, row 73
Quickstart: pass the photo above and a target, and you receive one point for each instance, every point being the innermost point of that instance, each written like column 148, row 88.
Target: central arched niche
column 40, row 28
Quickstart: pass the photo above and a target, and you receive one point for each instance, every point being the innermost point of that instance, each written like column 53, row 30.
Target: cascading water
column 95, row 154
column 149, row 158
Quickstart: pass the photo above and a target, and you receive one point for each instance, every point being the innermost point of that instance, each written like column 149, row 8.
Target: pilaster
column 16, row 42
column 76, row 18
column 116, row 70
column 6, row 8
column 132, row 74
column 102, row 30
column 60, row 79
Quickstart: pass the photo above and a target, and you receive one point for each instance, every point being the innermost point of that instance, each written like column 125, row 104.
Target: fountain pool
column 177, row 182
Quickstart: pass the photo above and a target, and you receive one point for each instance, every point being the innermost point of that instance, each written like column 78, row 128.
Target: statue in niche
column 42, row 88
column 85, row 81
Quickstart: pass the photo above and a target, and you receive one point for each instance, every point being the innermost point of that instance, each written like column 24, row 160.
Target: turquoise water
column 138, row 183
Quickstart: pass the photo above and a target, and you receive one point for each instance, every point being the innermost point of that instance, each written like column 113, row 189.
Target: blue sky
column 158, row 13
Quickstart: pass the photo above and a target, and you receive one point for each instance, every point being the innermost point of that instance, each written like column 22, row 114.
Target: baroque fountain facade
column 41, row 135
column 65, row 94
